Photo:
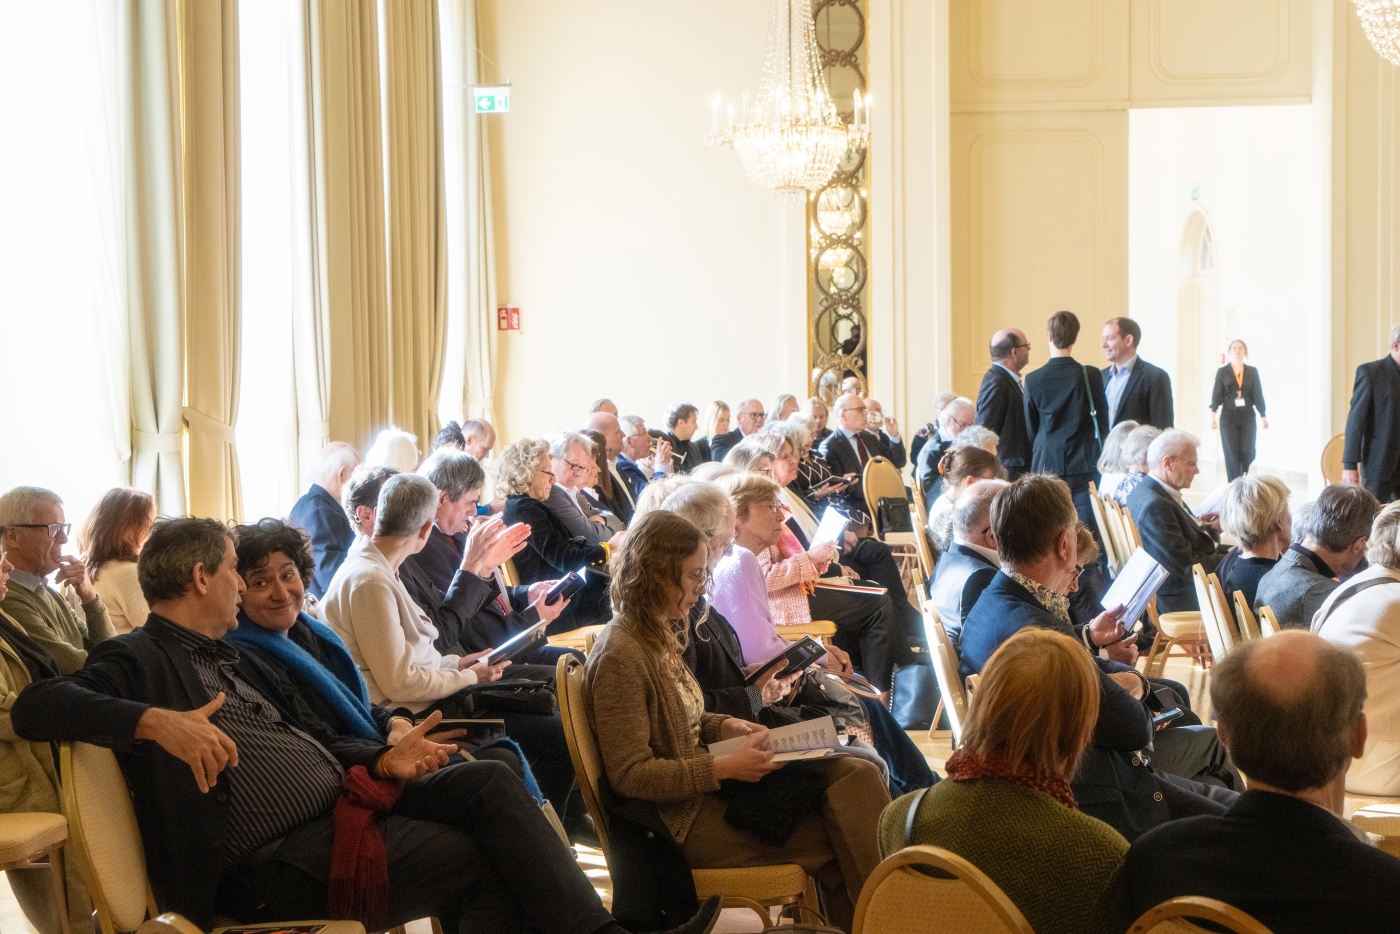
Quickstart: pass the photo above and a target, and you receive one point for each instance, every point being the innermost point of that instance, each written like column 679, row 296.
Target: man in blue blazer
column 1067, row 415
column 319, row 513
column 1371, row 455
column 1000, row 400
column 1137, row 390
column 750, row 417
column 966, row 566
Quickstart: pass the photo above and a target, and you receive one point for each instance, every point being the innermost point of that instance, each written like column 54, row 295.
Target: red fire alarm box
column 508, row 319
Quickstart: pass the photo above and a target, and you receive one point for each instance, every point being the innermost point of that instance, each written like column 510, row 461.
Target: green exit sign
column 492, row 98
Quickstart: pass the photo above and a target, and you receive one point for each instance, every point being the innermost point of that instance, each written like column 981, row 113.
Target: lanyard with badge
column 1239, row 388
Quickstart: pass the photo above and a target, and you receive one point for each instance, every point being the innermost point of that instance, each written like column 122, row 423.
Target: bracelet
column 607, row 551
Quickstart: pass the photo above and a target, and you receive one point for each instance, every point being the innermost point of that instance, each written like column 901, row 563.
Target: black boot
column 703, row 921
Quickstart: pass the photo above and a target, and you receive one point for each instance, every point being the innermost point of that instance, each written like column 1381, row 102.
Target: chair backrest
column 509, row 574
column 1171, row 917
column 102, row 833
column 1268, row 622
column 1332, row 459
column 1216, row 633
column 1130, row 529
column 880, row 479
column 583, row 745
column 1115, row 536
column 945, row 669
column 900, row 899
column 1249, row 629
column 1223, row 611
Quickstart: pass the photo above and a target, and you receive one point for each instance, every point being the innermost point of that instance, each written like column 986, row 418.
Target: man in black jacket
column 682, row 423
column 966, row 566
column 1282, row 852
column 1137, row 390
column 849, row 448
column 233, row 793
column 1371, row 456
column 1001, row 400
column 1067, row 415
column 750, row 418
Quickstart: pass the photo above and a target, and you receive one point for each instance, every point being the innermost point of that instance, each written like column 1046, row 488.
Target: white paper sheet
column 810, row 739
column 830, row 528
column 1134, row 586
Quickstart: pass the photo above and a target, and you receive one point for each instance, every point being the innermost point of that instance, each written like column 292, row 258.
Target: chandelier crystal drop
column 794, row 138
column 1380, row 19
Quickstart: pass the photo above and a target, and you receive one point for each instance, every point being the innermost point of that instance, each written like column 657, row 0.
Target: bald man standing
column 1000, row 401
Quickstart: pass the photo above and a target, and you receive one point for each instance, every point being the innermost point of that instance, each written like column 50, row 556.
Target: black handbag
column 894, row 515
column 517, row 695
column 914, row 694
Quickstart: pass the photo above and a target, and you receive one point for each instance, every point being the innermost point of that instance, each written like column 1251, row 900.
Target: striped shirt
column 283, row 779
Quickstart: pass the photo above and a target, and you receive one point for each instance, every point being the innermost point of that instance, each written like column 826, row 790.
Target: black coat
column 553, row 553
column 959, row 578
column 926, row 467
column 1172, row 536
column 1147, row 399
column 841, row 456
column 1290, row 864
column 1058, row 419
column 716, row 658
column 690, row 453
column 319, row 515
column 720, row 444
column 1001, row 407
column 1373, row 425
column 469, row 617
column 181, row 828
column 1223, row 395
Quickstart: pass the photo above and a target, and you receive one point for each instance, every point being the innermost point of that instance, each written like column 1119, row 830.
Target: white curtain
column 469, row 372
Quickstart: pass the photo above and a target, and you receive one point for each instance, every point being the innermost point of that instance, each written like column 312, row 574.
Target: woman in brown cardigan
column 649, row 716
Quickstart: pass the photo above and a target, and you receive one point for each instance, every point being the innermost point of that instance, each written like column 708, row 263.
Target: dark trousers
column 873, row 561
column 1078, row 484
column 1237, row 435
column 466, row 845
column 866, row 626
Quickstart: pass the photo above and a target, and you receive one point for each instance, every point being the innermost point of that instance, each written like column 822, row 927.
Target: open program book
column 810, row 739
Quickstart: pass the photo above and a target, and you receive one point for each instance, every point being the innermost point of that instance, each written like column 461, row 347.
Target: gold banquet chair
column 24, row 837
column 1268, row 622
column 952, row 691
column 1181, row 628
column 1331, row 460
column 107, row 844
column 756, row 888
column 1174, row 916
column 1249, row 628
column 898, row 898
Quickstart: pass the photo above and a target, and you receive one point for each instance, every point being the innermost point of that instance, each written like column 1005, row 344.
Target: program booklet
column 830, row 528
column 810, row 739
column 1134, row 586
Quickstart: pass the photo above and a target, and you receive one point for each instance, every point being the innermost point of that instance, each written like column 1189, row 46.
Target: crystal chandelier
column 1381, row 21
column 795, row 138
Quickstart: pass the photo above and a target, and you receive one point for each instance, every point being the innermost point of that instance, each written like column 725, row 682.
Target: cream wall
column 647, row 267
column 1249, row 170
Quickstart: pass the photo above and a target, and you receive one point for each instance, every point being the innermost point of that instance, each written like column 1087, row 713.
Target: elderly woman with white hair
column 1256, row 514
column 954, row 418
column 1133, row 457
column 394, row 447
column 1112, row 468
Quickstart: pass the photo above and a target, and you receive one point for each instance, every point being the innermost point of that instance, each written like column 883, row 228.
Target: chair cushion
column 786, row 880
column 1185, row 624
column 25, row 835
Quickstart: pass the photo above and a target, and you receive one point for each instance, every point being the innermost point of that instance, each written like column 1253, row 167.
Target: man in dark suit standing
column 1170, row 532
column 1373, row 425
column 319, row 514
column 1067, row 415
column 1282, row 853
column 1001, row 400
column 849, row 448
column 1136, row 389
column 968, row 565
column 750, row 418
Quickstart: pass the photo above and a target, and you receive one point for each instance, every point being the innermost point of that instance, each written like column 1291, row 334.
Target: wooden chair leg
column 937, row 715
column 60, row 890
column 437, row 925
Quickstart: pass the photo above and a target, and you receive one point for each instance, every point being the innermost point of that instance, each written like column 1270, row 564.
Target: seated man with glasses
column 575, row 469
column 32, row 535
column 750, row 418
column 849, row 448
column 638, row 463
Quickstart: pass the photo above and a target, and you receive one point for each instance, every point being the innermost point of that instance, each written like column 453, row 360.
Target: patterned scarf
column 964, row 766
column 1055, row 603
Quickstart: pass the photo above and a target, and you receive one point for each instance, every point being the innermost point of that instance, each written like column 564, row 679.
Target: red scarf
column 359, row 882
column 964, row 766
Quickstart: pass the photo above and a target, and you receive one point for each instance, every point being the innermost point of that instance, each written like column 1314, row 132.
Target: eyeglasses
column 574, row 466
column 547, row 473
column 1020, row 346
column 271, row 525
column 1078, row 569
column 753, row 414
column 854, row 408
column 53, row 528
column 774, row 507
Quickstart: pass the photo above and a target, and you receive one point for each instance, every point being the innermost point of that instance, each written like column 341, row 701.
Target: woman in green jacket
column 1008, row 808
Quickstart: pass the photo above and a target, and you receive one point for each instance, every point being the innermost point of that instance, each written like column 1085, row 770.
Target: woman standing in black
column 1237, row 394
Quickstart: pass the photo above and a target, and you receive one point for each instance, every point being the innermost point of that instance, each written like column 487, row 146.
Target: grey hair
column 1253, row 509
column 1112, row 460
column 745, row 455
column 1136, row 444
column 17, row 506
column 407, row 502
column 630, row 424
column 1169, row 443
column 559, row 443
column 771, row 441
column 977, row 436
column 940, row 401
column 516, row 468
column 778, row 403
column 945, row 414
column 704, row 505
column 394, row 447
column 331, row 460
column 453, row 472
column 166, row 565
column 801, row 428
column 1383, row 548
column 1338, row 517
column 791, row 431
column 1394, row 333
column 711, row 472
column 656, row 492
column 598, row 404
column 974, row 505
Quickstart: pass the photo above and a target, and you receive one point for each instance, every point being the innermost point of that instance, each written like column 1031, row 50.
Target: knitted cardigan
column 1060, row 867
column 51, row 622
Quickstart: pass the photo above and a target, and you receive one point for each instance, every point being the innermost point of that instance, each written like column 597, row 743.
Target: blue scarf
column 338, row 682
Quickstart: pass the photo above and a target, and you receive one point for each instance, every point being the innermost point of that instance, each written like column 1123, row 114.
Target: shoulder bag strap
column 1351, row 591
column 1093, row 415
column 913, row 812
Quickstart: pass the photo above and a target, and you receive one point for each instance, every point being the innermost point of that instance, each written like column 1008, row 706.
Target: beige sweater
column 117, row 585
column 649, row 752
column 388, row 636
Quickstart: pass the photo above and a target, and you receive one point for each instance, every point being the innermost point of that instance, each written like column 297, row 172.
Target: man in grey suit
column 968, row 565
column 1330, row 541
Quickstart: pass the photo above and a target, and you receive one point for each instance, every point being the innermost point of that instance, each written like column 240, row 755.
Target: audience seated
column 749, row 418
column 1363, row 615
column 886, row 428
column 960, row 468
column 1134, row 460
column 818, row 412
column 622, row 500
column 1170, row 532
column 1036, row 526
column 319, row 513
column 1112, row 467
column 1290, row 708
column 784, row 406
column 1329, row 542
column 849, row 448
column 979, row 436
column 571, row 455
column 716, row 423
column 930, row 430
column 648, row 713
column 33, row 533
column 1256, row 513
column 970, row 561
column 396, row 448
column 464, row 844
column 1007, row 805
column 955, row 417
column 524, row 475
column 109, row 543
column 682, row 426
column 637, row 463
